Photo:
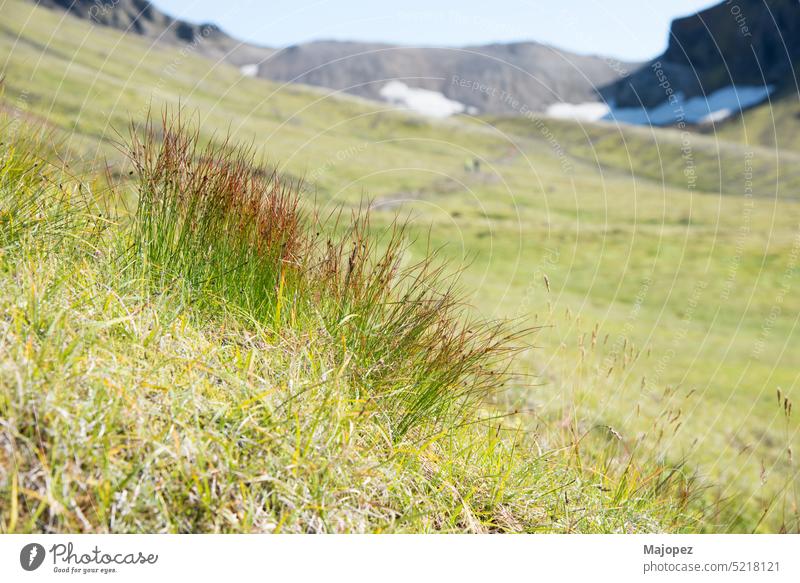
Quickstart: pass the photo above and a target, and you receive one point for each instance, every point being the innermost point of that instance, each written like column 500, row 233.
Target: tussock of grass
column 223, row 362
column 209, row 217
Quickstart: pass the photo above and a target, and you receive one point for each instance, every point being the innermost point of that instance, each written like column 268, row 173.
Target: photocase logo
column 31, row 556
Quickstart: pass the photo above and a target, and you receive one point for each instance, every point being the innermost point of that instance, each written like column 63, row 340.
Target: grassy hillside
column 772, row 124
column 681, row 159
column 273, row 379
column 668, row 312
column 701, row 284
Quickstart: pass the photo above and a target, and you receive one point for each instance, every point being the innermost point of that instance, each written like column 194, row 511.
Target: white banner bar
column 378, row 558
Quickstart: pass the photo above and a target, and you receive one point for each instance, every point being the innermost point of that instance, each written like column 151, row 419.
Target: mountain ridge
column 499, row 78
column 710, row 55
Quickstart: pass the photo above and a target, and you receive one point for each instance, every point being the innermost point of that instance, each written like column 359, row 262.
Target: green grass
column 585, row 229
column 209, row 217
column 675, row 158
column 772, row 124
column 139, row 397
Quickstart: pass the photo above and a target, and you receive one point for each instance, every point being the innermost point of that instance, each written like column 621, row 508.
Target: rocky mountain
column 142, row 18
column 736, row 43
column 499, row 78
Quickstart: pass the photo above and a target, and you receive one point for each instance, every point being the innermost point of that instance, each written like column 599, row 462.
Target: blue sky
column 626, row 29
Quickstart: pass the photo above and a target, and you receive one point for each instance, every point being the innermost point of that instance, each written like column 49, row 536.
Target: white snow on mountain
column 714, row 107
column 249, row 70
column 591, row 111
column 424, row 101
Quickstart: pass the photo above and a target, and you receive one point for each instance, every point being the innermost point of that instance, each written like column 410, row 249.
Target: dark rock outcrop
column 736, row 42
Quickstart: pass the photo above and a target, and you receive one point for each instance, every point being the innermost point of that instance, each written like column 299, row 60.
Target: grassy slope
column 544, row 204
column 717, row 318
column 681, row 159
column 133, row 402
column 772, row 125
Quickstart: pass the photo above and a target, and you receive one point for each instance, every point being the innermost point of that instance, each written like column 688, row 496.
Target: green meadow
column 654, row 271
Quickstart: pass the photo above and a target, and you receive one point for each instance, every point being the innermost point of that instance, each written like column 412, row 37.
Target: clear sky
column 626, row 29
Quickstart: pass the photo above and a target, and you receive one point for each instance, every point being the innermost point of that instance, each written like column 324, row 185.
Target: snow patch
column 715, row 107
column 591, row 111
column 424, row 101
column 716, row 116
column 249, row 70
